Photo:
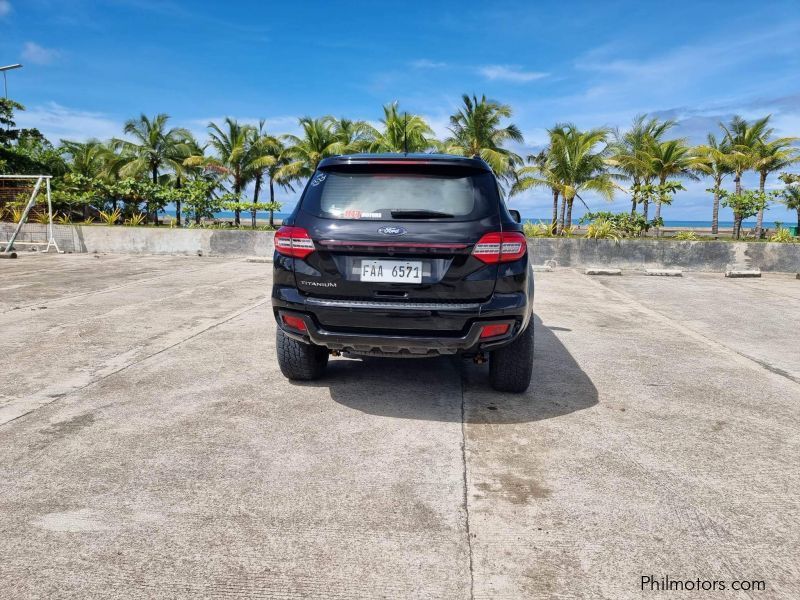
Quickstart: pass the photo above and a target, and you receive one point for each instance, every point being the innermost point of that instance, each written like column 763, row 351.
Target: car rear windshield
column 401, row 192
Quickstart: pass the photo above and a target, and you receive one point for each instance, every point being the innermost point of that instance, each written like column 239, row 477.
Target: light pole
column 5, row 81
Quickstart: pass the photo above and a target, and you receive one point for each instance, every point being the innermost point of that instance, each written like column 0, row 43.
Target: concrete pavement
column 151, row 449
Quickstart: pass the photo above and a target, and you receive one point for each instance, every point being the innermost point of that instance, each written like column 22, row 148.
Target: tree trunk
column 762, row 181
column 155, row 207
column 568, row 222
column 633, row 197
column 645, row 206
column 715, row 210
column 272, row 200
column 737, row 180
column 237, row 214
column 798, row 221
column 737, row 225
column 555, row 206
column 178, row 203
column 256, row 193
column 560, row 226
column 657, row 217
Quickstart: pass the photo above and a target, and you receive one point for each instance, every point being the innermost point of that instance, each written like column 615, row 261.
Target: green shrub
column 783, row 236
column 602, row 229
column 541, row 229
column 685, row 236
column 625, row 224
column 111, row 217
column 135, row 219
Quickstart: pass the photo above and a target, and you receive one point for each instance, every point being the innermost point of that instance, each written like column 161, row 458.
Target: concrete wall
column 566, row 252
column 151, row 240
column 690, row 256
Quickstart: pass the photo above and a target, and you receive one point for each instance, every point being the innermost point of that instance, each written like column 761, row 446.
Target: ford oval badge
column 392, row 230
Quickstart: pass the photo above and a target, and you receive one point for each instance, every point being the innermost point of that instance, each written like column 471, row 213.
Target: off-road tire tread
column 299, row 361
column 511, row 367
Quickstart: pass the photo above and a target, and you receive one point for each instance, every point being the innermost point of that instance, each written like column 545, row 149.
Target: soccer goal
column 16, row 188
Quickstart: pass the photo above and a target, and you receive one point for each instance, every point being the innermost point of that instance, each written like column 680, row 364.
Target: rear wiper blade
column 420, row 214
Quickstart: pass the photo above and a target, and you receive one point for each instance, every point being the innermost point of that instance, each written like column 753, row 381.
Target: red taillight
column 488, row 331
column 293, row 322
column 293, row 241
column 499, row 247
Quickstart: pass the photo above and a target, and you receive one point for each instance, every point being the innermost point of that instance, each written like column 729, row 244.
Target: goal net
column 27, row 213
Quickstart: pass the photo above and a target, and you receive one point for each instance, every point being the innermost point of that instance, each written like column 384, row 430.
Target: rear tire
column 511, row 367
column 299, row 361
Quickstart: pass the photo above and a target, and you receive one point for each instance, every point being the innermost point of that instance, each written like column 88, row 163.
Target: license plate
column 392, row 271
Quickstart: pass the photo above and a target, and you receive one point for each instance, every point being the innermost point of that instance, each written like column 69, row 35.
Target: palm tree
column 771, row 156
column 630, row 153
column 188, row 169
column 477, row 131
column 539, row 173
column 92, row 160
column 579, row 163
column 402, row 132
column 714, row 161
column 236, row 155
column 791, row 198
column 265, row 150
column 154, row 147
column 353, row 136
column 671, row 159
column 743, row 139
column 87, row 158
column 304, row 153
column 275, row 175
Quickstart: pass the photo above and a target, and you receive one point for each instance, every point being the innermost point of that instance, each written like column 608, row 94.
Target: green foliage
column 477, row 130
column 685, row 236
column 783, row 236
column 541, row 229
column 745, row 204
column 402, row 132
column 625, row 224
column 135, row 219
column 790, row 196
column 603, row 229
column 111, row 217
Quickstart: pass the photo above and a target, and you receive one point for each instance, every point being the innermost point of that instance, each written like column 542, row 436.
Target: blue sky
column 91, row 65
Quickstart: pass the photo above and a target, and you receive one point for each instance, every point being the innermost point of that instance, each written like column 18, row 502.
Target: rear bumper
column 399, row 345
column 402, row 329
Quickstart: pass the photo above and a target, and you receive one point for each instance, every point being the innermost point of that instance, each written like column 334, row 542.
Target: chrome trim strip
column 392, row 305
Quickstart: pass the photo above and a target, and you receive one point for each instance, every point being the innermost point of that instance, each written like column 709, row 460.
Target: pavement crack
column 14, row 411
column 466, row 485
column 741, row 357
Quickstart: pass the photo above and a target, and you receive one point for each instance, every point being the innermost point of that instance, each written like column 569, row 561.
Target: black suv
column 403, row 256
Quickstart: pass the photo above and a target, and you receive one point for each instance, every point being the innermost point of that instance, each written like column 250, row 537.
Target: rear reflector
column 500, row 247
column 488, row 331
column 293, row 241
column 294, row 322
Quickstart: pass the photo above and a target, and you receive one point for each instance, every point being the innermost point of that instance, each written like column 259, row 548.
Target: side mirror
column 515, row 215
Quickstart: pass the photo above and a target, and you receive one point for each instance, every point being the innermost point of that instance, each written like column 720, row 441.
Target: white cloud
column 425, row 63
column 509, row 73
column 58, row 122
column 38, row 55
column 5, row 8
